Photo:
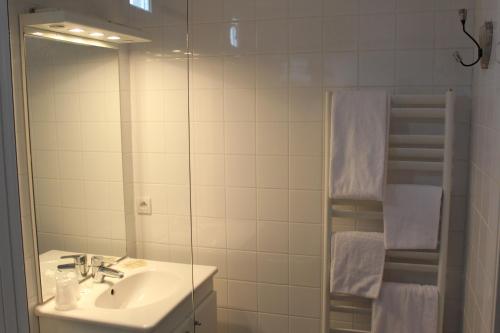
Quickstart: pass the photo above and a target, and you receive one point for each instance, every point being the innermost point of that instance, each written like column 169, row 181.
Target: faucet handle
column 96, row 261
column 99, row 271
column 66, row 266
column 102, row 272
column 78, row 258
column 80, row 262
column 100, row 260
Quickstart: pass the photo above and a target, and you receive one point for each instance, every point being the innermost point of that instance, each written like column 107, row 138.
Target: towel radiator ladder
column 420, row 152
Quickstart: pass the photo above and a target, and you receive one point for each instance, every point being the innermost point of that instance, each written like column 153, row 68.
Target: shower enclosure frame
column 12, row 277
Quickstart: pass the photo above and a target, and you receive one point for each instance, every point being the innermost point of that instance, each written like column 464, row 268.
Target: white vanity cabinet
column 206, row 317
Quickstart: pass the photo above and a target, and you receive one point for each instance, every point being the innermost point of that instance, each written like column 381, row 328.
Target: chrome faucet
column 99, row 271
column 79, row 264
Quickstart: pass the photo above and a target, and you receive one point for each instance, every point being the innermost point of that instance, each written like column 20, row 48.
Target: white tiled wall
column 158, row 127
column 74, row 112
column 257, row 132
column 484, row 202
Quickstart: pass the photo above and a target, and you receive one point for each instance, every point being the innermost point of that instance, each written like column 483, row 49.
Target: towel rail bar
column 415, row 255
column 416, row 166
column 422, row 153
column 412, row 255
column 350, row 309
column 407, row 267
column 348, row 298
column 364, row 215
column 355, row 202
column 430, row 101
column 410, row 139
column 418, row 113
column 347, row 330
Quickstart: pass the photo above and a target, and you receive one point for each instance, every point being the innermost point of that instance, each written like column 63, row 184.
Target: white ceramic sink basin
column 139, row 290
column 151, row 296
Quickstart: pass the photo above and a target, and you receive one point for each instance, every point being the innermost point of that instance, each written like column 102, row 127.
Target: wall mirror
column 75, row 146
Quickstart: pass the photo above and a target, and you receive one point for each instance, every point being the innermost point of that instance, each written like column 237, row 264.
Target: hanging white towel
column 359, row 131
column 357, row 263
column 411, row 216
column 405, row 308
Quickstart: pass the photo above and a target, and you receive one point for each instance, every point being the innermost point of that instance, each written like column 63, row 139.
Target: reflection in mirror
column 76, row 153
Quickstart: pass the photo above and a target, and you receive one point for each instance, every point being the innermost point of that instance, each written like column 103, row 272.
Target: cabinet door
column 186, row 327
column 206, row 315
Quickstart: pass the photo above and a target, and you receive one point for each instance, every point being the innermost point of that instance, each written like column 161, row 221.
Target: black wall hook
column 462, row 13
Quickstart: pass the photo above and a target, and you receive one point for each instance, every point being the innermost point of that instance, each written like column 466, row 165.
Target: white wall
column 158, row 130
column 484, row 204
column 76, row 151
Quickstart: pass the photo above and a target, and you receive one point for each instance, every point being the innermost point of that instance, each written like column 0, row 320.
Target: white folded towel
column 357, row 263
column 405, row 308
column 411, row 216
column 359, row 132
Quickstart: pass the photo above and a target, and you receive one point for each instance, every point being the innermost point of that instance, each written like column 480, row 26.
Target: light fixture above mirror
column 76, row 28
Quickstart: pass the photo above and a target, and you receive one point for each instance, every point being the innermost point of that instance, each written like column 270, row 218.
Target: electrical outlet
column 144, row 206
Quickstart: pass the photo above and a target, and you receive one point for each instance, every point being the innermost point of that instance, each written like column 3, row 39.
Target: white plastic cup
column 67, row 291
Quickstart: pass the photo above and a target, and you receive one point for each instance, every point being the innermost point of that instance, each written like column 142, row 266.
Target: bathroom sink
column 152, row 297
column 139, row 290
